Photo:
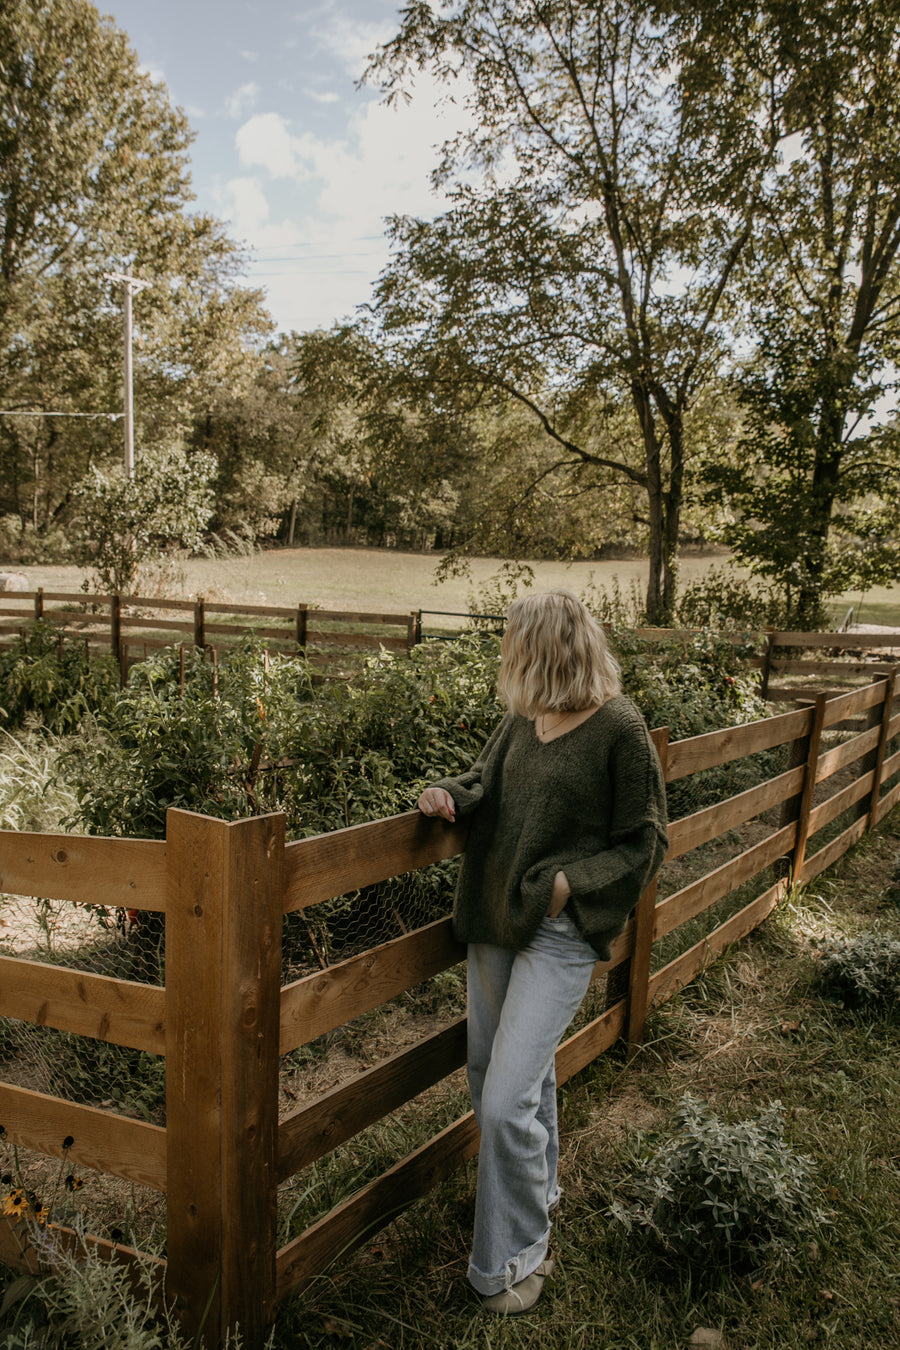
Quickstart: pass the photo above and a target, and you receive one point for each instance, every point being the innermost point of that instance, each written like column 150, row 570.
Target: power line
column 15, row 412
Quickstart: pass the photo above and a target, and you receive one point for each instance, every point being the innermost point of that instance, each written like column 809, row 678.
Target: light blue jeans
column 520, row 1003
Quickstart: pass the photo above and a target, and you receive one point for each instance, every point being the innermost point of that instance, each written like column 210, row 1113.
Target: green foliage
column 691, row 685
column 255, row 735
column 735, row 1195
column 722, row 599
column 128, row 522
column 862, row 973
column 50, row 678
column 88, row 1303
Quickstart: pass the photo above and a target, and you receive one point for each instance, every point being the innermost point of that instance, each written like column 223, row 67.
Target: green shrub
column 719, row 1193
column 52, row 679
column 721, row 599
column 862, row 973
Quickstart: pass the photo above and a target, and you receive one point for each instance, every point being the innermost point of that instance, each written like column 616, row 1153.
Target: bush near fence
column 131, row 627
column 228, row 1020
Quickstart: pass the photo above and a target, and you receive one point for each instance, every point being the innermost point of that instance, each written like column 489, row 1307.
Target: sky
column 301, row 165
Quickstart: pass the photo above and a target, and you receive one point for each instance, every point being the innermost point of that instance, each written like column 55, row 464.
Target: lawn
column 381, row 580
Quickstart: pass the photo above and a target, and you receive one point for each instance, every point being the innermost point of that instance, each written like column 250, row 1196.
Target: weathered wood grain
column 107, row 1009
column 120, row 873
column 720, row 747
column 131, row 1149
column 701, row 827
column 361, row 855
column 338, row 1115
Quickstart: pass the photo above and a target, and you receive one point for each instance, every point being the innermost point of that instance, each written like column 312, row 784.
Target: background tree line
column 662, row 305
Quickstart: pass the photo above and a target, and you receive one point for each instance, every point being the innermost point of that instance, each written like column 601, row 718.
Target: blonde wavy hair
column 554, row 656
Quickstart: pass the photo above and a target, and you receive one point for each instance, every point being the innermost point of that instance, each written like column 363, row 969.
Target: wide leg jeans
column 519, row 1005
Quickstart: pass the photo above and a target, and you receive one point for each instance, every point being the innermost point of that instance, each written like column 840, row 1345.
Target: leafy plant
column 126, row 522
column 722, row 1193
column 863, row 973
column 53, row 679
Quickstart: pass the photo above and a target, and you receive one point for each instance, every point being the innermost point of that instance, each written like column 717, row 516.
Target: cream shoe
column 522, row 1297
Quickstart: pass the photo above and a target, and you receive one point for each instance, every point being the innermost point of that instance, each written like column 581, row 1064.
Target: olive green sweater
column 590, row 803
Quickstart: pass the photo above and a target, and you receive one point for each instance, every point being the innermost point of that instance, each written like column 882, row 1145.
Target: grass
column 752, row 1030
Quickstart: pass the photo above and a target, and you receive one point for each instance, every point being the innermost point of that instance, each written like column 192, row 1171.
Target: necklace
column 544, row 729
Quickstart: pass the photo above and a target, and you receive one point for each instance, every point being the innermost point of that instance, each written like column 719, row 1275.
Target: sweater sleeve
column 607, row 886
column 467, row 789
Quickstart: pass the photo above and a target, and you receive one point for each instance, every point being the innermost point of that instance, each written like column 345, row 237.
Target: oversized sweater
column 590, row 803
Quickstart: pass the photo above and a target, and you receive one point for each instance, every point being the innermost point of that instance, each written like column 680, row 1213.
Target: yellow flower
column 14, row 1204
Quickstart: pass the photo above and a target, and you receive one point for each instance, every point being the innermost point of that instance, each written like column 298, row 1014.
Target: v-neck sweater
column 590, row 803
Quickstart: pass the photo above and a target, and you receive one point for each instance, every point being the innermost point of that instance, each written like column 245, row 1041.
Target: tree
column 125, row 523
column 584, row 265
column 814, row 490
column 94, row 176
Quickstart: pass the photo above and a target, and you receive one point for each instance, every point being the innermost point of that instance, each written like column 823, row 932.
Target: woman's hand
column 436, row 801
column 561, row 892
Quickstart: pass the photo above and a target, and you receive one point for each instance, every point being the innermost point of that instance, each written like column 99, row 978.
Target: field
column 394, row 582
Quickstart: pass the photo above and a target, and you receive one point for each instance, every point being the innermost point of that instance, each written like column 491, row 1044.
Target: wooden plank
column 642, row 945
column 318, row 1003
column 357, row 616
column 154, row 602
column 691, row 900
column 678, row 973
column 360, row 641
column 833, row 850
column 701, row 827
column 829, row 810
column 809, row 783
column 273, row 611
column 853, row 702
column 842, row 641
column 338, row 1115
column 236, row 630
column 720, row 747
column 890, row 766
column 361, row 855
column 116, row 1011
column 131, row 1149
column 17, row 1252
column 154, row 625
column 223, row 964
column 121, row 873
column 375, row 1204
column 80, row 596
column 783, row 666
column 888, row 802
column 832, row 761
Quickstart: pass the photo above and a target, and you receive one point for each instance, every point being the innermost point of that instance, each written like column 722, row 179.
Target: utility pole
column 131, row 286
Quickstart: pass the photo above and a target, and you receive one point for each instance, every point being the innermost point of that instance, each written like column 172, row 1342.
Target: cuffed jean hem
column 518, row 1269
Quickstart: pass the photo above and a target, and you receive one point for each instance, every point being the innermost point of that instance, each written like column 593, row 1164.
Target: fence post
column 224, row 908
column 887, row 709
column 115, row 622
column 39, row 603
column 644, row 924
column 767, row 666
column 302, row 612
column 199, row 622
column 413, row 632
column 809, row 786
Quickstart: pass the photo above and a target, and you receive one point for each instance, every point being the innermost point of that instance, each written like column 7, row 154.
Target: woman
column 568, row 826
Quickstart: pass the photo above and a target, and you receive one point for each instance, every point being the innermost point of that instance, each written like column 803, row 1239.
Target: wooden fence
column 132, row 626
column 224, row 1017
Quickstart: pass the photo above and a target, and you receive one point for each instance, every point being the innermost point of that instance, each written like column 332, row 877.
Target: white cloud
column 266, row 142
column 330, row 97
column 239, row 103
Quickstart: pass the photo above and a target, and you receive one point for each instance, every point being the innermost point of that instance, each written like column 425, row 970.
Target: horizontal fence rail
column 226, row 1016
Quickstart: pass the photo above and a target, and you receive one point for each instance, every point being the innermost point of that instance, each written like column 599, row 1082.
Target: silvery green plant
column 864, row 972
column 733, row 1194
